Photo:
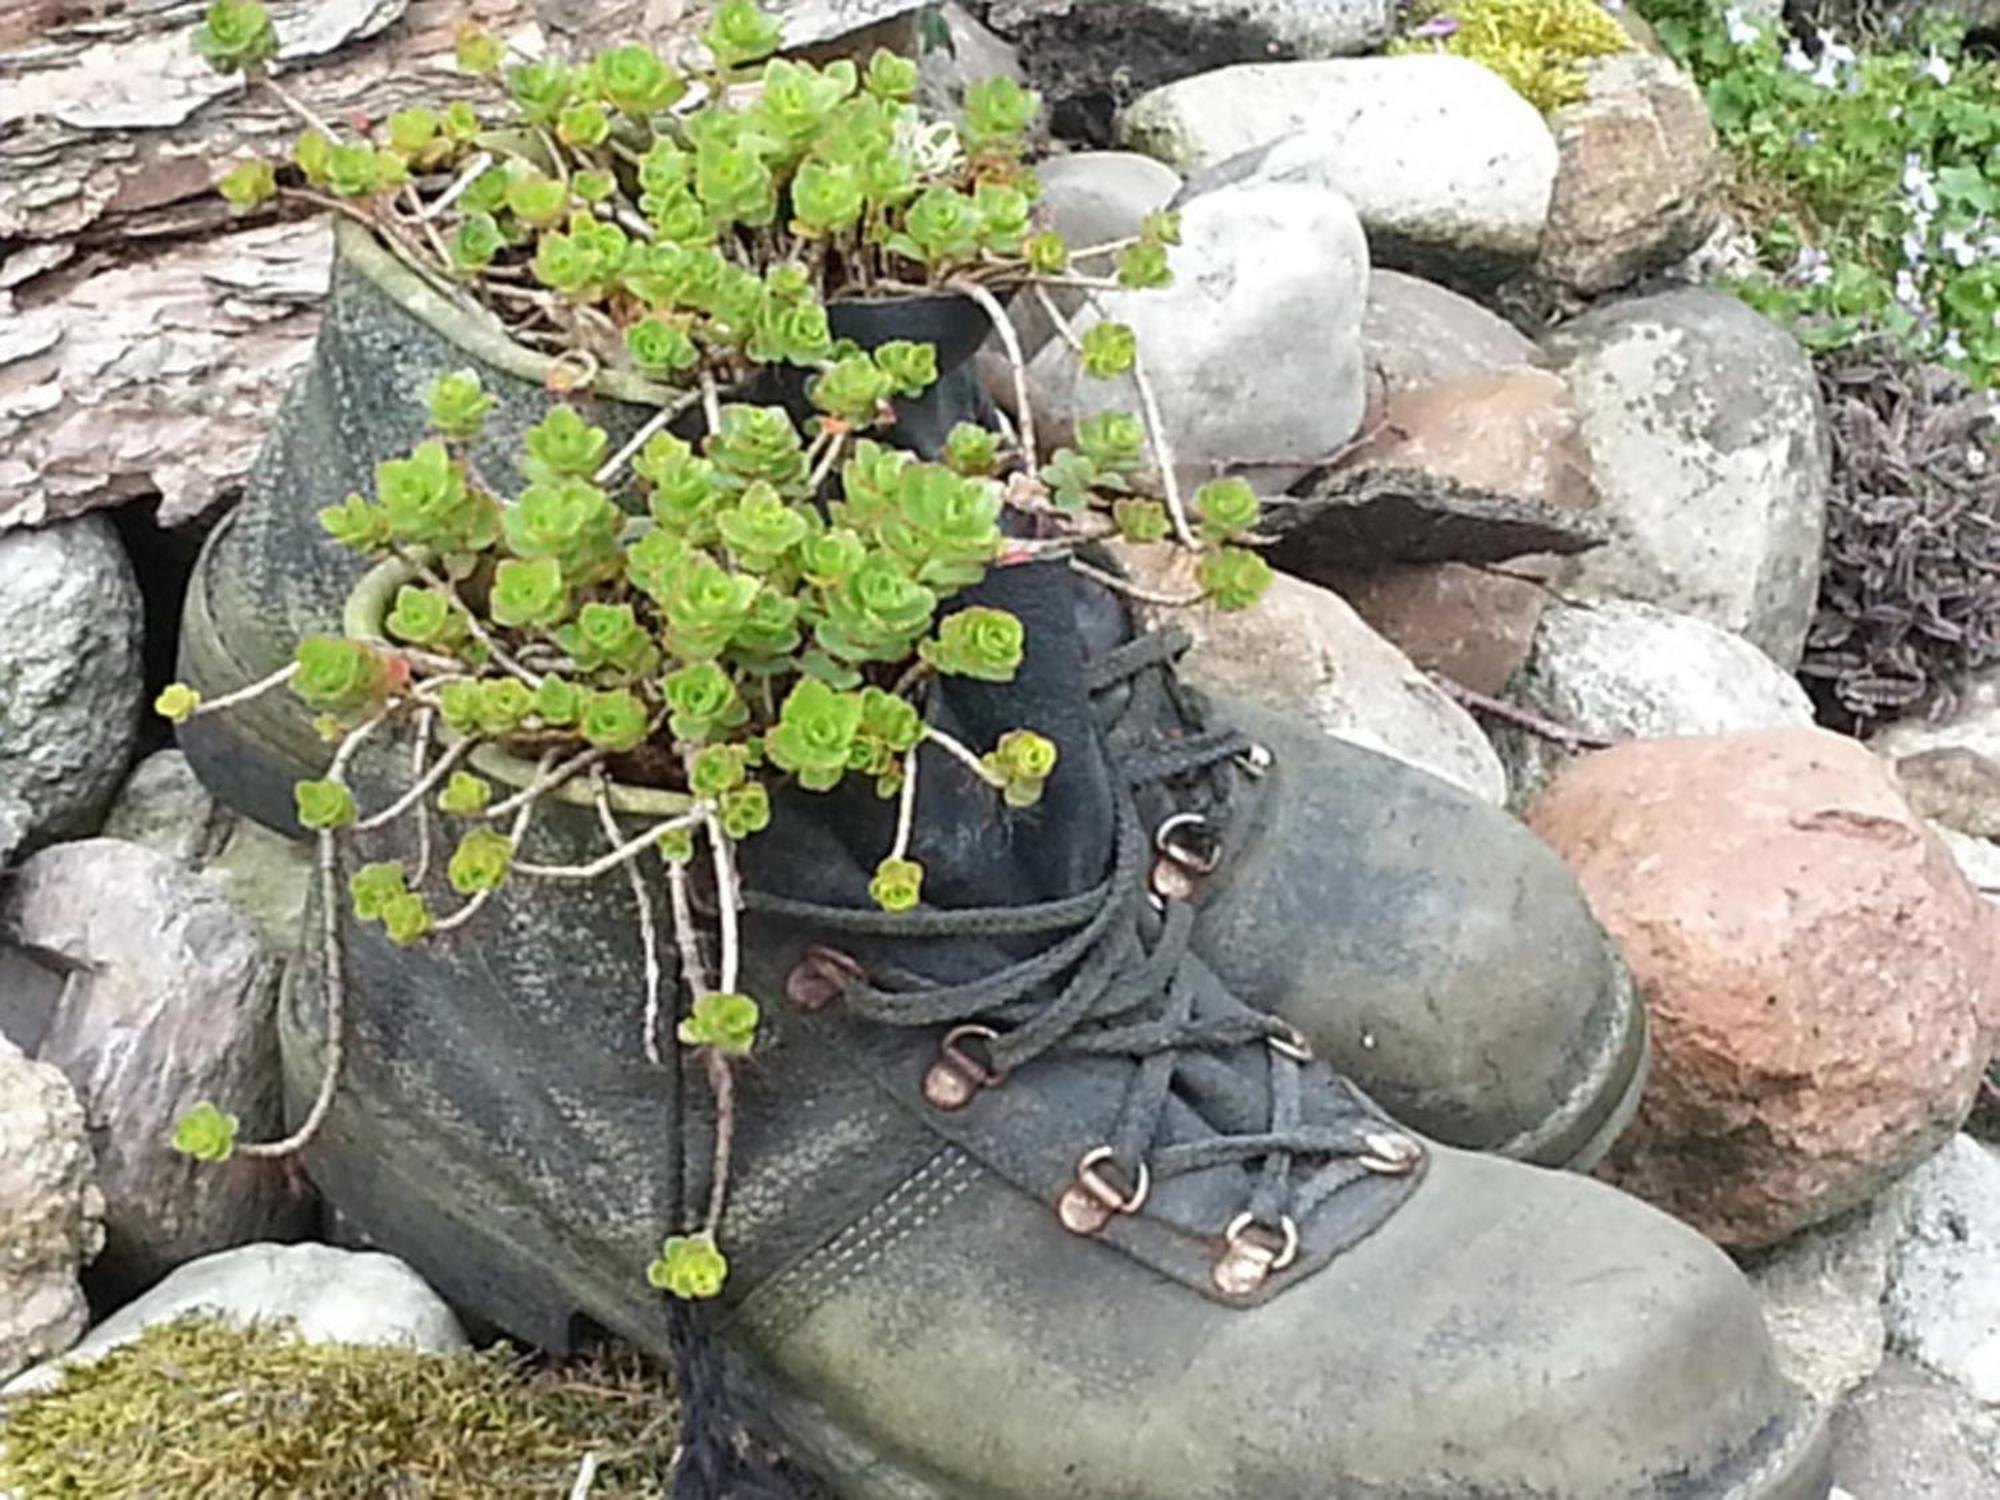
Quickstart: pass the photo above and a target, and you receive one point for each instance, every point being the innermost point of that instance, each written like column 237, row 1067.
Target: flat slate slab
column 1376, row 518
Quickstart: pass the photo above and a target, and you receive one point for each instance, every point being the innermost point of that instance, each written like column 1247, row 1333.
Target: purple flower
column 1437, row 27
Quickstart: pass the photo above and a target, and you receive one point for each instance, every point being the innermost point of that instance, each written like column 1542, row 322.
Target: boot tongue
column 975, row 851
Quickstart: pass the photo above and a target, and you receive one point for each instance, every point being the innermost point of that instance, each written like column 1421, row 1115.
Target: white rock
column 50, row 1212
column 1972, row 724
column 1303, row 649
column 1977, row 859
column 1944, row 1292
column 1822, row 1297
column 1705, row 426
column 333, row 1296
column 170, row 1000
column 1415, row 333
column 1450, row 170
column 70, row 675
column 1267, row 274
column 1089, row 198
column 1624, row 670
column 1907, row 1435
column 164, row 806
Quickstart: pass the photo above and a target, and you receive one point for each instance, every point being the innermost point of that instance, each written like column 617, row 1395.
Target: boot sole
column 532, row 1287
column 1578, row 1136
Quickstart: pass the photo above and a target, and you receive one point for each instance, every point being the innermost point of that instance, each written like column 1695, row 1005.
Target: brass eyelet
column 1090, row 1203
column 1248, row 1259
column 820, row 977
column 1390, row 1154
column 956, row 1077
column 1200, row 857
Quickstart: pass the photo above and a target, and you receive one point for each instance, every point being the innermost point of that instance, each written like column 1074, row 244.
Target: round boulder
column 1813, row 966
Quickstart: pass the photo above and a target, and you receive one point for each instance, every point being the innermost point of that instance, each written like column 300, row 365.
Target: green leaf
column 465, row 795
column 528, row 593
column 481, row 861
column 374, row 886
column 336, row 675
column 235, row 36
column 1228, row 509
column 898, row 885
column 248, row 185
column 722, row 1020
column 636, row 82
column 813, row 735
column 741, row 33
column 977, row 642
column 746, row 810
column 323, row 805
column 1141, row 520
column 206, row 1133
column 1233, row 578
column 457, row 404
column 614, row 721
column 177, row 702
column 702, row 702
column 689, row 1267
column 406, row 919
column 1109, row 349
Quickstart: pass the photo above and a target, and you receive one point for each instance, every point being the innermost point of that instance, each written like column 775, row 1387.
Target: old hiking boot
column 1026, row 1203
column 1427, row 944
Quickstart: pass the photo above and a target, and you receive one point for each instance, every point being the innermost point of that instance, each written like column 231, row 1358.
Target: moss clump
column 1534, row 44
column 196, row 1409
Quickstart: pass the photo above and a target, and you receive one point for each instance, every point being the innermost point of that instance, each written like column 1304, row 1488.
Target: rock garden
column 1155, row 749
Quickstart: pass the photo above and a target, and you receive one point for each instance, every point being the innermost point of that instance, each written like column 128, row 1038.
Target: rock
column 13, row 827
column 1944, row 1289
column 1416, row 333
column 1978, row 859
column 1467, row 623
column 1091, row 57
column 1349, row 520
column 334, row 1297
column 29, row 994
column 1973, row 723
column 1909, row 1434
column 163, row 806
column 51, row 1208
column 1636, row 189
column 265, row 876
column 1303, row 649
column 969, row 52
column 1091, row 198
column 1708, row 439
column 1449, row 168
column 1618, row 670
column 1261, row 268
column 1957, row 786
column 70, row 675
column 169, row 1001
column 1822, row 1296
column 1812, row 962
column 1509, row 433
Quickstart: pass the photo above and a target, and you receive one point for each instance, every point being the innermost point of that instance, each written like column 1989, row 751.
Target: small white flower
column 1741, row 32
column 1895, row 111
column 1914, row 247
column 1831, row 46
column 1935, row 68
column 1907, row 292
column 1827, row 74
column 1812, row 267
column 1795, row 57
column 1952, row 348
column 1955, row 244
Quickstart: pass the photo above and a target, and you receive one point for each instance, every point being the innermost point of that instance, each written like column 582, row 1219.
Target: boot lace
column 1213, row 1082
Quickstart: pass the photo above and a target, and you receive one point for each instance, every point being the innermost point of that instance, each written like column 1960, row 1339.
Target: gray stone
column 1416, row 333
column 1822, row 1295
column 1907, row 1435
column 169, row 1001
column 333, row 1297
column 969, row 52
column 1303, row 649
column 1091, row 198
column 1091, row 57
column 1706, row 430
column 1621, row 670
column 29, row 994
column 1264, row 272
column 1972, row 724
column 50, row 1207
column 1637, row 186
column 1954, row 786
column 70, row 675
column 1978, row 859
column 1449, row 169
column 1944, row 1291
column 266, row 877
column 163, row 806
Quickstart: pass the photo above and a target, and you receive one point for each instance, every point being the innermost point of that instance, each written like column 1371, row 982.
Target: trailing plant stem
column 965, row 756
column 1010, row 339
column 242, row 695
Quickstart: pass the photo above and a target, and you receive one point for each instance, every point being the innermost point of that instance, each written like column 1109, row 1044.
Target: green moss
column 196, row 1409
column 1534, row 44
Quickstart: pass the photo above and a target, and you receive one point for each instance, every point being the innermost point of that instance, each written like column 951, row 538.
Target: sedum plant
column 746, row 595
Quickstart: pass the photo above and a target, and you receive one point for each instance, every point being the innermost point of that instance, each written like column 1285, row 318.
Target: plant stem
column 1163, row 453
column 1135, row 591
column 297, row 106
column 426, row 778
column 547, row 780
column 711, row 403
column 722, row 1084
column 1063, row 325
column 906, row 806
column 424, row 224
column 649, row 937
column 459, row 184
column 586, row 1476
column 654, row 423
column 1011, row 340
column 1082, row 283
column 256, row 689
column 479, row 632
column 826, row 462
column 473, row 907
column 961, row 753
column 694, row 972
column 426, row 725
column 1108, row 247
column 334, row 959
column 728, row 898
column 1569, row 738
column 604, row 864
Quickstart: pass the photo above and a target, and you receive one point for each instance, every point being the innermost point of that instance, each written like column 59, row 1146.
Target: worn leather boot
column 1025, row 1202
column 1426, row 943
